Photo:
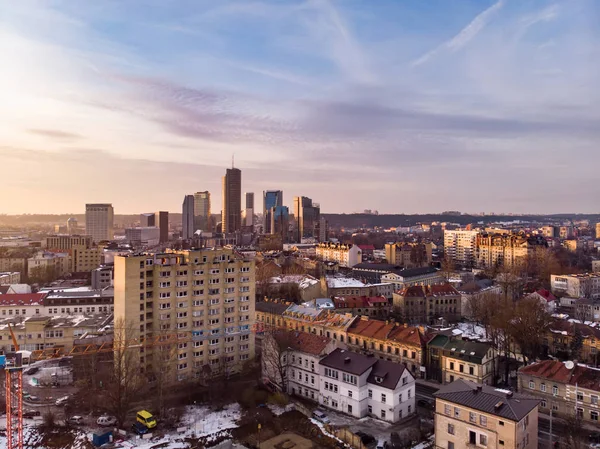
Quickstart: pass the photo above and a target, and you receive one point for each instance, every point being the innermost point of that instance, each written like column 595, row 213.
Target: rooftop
column 93, row 321
column 386, row 374
column 556, row 371
column 342, row 282
column 22, row 299
column 385, row 330
column 488, row 399
column 420, row 291
column 348, row 361
column 414, row 272
column 306, row 342
column 462, row 349
column 273, row 307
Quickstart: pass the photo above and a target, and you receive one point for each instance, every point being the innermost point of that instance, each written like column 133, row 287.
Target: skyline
column 398, row 107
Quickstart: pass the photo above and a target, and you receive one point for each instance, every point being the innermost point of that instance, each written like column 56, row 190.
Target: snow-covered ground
column 201, row 421
column 472, row 331
column 425, row 444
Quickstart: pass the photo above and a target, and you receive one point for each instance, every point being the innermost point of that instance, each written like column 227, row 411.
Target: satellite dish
column 569, row 364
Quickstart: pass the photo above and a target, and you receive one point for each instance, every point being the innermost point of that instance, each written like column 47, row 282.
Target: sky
column 401, row 106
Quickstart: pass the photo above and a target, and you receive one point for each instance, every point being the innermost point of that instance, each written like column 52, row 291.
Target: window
column 349, row 408
column 383, row 398
column 456, row 412
column 472, row 417
column 580, row 396
column 450, row 445
column 349, row 378
column 501, row 423
column 594, row 415
column 471, row 370
column 501, row 442
column 554, row 390
column 451, row 429
column 447, row 409
column 331, row 373
column 452, row 366
column 483, row 439
column 532, row 384
column 594, row 399
column 483, row 421
column 461, row 368
column 580, row 412
column 543, row 404
column 349, row 393
column 383, row 414
column 371, row 394
column 543, row 387
column 408, row 393
column 370, row 409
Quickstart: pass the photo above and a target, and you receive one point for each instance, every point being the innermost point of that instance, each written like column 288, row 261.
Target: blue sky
column 400, row 106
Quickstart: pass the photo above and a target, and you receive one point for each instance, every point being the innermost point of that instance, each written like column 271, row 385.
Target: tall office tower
column 202, row 211
column 231, row 215
column 158, row 219
column 323, row 230
column 271, row 199
column 99, row 221
column 187, row 217
column 72, row 226
column 280, row 222
column 248, row 212
column 205, row 297
column 307, row 218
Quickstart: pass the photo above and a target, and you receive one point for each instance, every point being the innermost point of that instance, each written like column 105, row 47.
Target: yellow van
column 146, row 419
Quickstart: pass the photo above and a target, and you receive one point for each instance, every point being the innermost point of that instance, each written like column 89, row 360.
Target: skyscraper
column 202, row 211
column 158, row 219
column 99, row 221
column 231, row 215
column 271, row 199
column 248, row 213
column 307, row 218
column 187, row 217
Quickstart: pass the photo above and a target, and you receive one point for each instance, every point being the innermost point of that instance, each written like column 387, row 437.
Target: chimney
column 509, row 394
column 405, row 325
column 347, row 360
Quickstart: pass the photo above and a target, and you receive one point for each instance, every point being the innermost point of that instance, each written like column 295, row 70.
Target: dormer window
column 378, row 379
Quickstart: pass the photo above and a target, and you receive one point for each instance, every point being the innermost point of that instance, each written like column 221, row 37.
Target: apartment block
column 413, row 276
column 427, row 304
column 344, row 255
column 408, row 255
column 507, row 250
column 8, row 278
column 204, row 297
column 470, row 415
column 566, row 388
column 66, row 242
column 85, row 258
column 56, row 263
column 576, row 285
column 99, row 221
column 460, row 246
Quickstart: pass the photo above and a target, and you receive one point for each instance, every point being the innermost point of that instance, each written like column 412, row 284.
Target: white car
column 77, row 420
column 318, row 414
column 106, row 421
column 62, row 401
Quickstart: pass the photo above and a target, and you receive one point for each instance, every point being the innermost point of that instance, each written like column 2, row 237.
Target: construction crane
column 14, row 373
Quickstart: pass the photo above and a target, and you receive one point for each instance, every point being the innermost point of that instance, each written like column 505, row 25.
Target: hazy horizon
column 400, row 107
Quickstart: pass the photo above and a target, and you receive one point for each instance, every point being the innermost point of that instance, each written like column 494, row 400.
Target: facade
column 370, row 306
column 13, row 264
column 308, row 216
column 409, row 255
column 231, row 218
column 202, row 211
column 280, row 222
column 507, row 250
column 469, row 415
column 450, row 359
column 595, row 266
column 56, row 263
column 204, row 296
column 413, row 276
column 342, row 286
column 565, row 388
column 102, row 277
column 460, row 246
column 187, row 217
column 344, row 255
column 576, row 285
column 427, row 304
column 8, row 277
column 66, row 242
column 99, row 221
column 323, row 229
column 72, row 226
column 85, row 258
column 360, row 386
column 149, row 236
column 248, row 212
column 271, row 199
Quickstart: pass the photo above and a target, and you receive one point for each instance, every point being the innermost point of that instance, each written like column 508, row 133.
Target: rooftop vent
column 498, row 405
column 472, row 353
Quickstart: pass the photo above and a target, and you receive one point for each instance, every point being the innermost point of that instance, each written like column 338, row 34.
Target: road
column 426, row 392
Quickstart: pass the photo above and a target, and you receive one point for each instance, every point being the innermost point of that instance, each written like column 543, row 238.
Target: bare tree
column 163, row 375
column 125, row 381
column 528, row 326
column 276, row 357
column 574, row 433
column 448, row 267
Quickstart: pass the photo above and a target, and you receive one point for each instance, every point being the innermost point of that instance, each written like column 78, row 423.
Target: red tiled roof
column 353, row 302
column 570, row 328
column 556, row 371
column 367, row 247
column 547, row 295
column 22, row 299
column 308, row 343
column 381, row 330
column 420, row 291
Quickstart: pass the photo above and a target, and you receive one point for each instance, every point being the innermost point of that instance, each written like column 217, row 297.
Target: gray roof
column 389, row 374
column 384, row 267
column 469, row 351
column 484, row 398
column 276, row 308
column 348, row 361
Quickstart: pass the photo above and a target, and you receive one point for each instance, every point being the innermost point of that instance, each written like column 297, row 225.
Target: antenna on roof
column 233, row 160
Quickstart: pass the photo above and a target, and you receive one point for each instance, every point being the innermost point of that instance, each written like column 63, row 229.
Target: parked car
column 32, row 398
column 139, row 429
column 365, row 437
column 62, row 401
column 32, row 370
column 106, row 421
column 144, row 417
column 76, row 420
column 30, row 414
column 321, row 416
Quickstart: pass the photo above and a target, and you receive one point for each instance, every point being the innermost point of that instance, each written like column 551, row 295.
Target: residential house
column 407, row 254
column 413, row 276
column 572, row 340
column 361, row 385
column 8, row 278
column 546, row 298
column 565, row 388
column 345, row 255
column 372, row 306
column 587, row 309
column 576, row 285
column 470, row 415
column 428, row 304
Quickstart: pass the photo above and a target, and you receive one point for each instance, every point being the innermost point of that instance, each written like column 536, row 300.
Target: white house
column 360, row 385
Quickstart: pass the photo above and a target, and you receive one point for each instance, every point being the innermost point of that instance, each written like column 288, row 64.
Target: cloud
column 464, row 36
column 55, row 134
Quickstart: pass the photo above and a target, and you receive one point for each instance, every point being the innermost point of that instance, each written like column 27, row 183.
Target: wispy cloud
column 464, row 36
column 55, row 134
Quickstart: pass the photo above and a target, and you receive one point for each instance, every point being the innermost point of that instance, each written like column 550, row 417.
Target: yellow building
column 66, row 241
column 85, row 259
column 205, row 297
column 508, row 250
column 470, row 415
column 408, row 255
column 56, row 263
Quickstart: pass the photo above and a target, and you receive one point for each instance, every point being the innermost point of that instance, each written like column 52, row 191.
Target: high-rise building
column 203, row 297
column 143, row 236
column 231, row 215
column 280, row 222
column 158, row 219
column 460, row 246
column 66, row 242
column 271, row 199
column 187, row 217
column 250, row 200
column 99, row 221
column 72, row 226
column 323, row 229
column 307, row 218
column 248, row 212
column 202, row 218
